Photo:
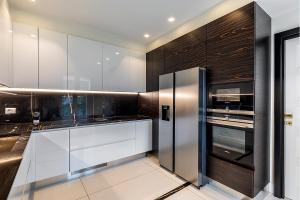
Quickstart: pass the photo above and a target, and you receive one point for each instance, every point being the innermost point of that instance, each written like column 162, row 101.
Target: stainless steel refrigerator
column 182, row 119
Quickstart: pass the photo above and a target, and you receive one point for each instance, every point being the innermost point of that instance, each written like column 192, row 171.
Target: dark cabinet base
column 231, row 175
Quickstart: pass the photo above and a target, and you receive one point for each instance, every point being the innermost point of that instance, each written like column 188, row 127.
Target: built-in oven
column 231, row 136
column 230, row 122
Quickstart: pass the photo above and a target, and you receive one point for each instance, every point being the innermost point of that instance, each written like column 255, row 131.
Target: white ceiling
column 128, row 19
column 277, row 7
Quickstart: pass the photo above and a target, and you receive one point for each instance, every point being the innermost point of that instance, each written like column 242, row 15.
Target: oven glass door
column 231, row 143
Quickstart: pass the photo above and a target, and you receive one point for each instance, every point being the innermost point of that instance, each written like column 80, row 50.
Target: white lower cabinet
column 143, row 136
column 92, row 156
column 101, row 135
column 96, row 145
column 52, row 153
column 57, row 152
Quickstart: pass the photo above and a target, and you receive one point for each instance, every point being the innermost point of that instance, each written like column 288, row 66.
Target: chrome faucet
column 71, row 109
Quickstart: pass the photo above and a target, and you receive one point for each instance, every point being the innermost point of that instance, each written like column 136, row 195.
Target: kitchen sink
column 7, row 143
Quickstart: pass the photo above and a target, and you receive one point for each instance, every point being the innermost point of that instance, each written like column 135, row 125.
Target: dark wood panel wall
column 234, row 48
column 186, row 52
column 230, row 47
column 155, row 67
column 262, row 98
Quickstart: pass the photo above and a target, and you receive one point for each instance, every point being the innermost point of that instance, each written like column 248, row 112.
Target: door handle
column 288, row 119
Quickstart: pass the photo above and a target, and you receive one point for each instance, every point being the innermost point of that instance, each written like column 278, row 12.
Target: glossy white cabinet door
column 100, row 135
column 84, row 64
column 143, row 136
column 52, row 153
column 137, row 72
column 116, row 68
column 6, row 44
column 89, row 157
column 25, row 56
column 53, row 60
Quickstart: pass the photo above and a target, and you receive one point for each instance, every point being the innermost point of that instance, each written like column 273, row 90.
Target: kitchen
column 92, row 108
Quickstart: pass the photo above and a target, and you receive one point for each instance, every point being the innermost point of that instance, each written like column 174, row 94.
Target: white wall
column 72, row 28
column 285, row 21
column 5, row 41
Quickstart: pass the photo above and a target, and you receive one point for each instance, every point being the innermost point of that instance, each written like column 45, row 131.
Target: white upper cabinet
column 116, row 62
column 123, row 70
column 25, row 56
column 53, row 60
column 6, row 44
column 137, row 71
column 84, row 64
column 50, row 60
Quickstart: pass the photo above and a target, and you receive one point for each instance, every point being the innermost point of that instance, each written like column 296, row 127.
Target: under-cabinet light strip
column 62, row 91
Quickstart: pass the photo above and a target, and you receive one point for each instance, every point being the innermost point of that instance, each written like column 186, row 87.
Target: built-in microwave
column 232, row 96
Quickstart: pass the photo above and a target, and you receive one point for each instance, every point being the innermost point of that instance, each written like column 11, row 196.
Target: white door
column 53, row 60
column 292, row 110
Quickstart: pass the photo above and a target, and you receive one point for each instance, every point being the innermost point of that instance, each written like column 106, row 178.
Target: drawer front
column 100, row 135
column 233, row 176
column 89, row 157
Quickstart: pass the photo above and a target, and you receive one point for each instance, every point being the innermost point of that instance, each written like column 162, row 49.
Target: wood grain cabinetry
column 155, row 67
column 234, row 48
column 234, row 176
column 230, row 47
column 186, row 52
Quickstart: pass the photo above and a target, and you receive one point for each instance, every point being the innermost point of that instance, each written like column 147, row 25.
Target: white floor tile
column 152, row 161
column 145, row 187
column 84, row 198
column 115, row 175
column 209, row 192
column 184, row 194
column 70, row 190
column 171, row 175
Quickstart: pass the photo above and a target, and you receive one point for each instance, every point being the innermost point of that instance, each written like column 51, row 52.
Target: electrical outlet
column 10, row 111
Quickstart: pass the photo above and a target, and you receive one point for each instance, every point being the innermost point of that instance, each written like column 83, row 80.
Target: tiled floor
column 136, row 180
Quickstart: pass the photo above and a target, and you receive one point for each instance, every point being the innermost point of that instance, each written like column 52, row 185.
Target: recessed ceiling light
column 108, row 59
column 98, row 63
column 10, row 31
column 171, row 19
column 117, row 53
column 32, row 1
column 146, row 35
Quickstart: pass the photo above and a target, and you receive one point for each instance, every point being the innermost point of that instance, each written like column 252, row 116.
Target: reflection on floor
column 136, row 180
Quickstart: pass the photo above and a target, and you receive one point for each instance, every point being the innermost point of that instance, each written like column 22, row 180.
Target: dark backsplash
column 56, row 106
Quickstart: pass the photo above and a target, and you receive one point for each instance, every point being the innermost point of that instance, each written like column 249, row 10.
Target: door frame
column 279, row 85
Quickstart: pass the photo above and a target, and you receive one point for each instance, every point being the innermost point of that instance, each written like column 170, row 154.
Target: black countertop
column 14, row 138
